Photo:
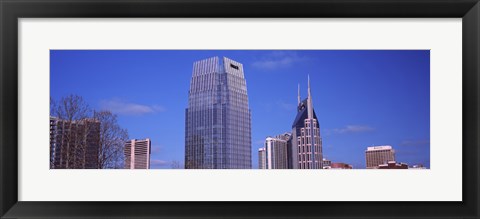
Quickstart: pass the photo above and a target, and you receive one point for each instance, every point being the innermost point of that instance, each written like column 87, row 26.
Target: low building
column 340, row 166
column 326, row 163
column 393, row 165
column 418, row 167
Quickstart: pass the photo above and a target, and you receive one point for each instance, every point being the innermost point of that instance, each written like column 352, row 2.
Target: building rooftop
column 382, row 147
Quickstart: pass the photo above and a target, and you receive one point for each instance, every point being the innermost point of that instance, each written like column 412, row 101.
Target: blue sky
column 361, row 98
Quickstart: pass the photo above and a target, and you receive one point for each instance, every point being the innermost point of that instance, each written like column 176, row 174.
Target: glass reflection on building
column 218, row 118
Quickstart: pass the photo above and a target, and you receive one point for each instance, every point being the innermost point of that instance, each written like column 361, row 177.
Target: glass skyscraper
column 218, row 118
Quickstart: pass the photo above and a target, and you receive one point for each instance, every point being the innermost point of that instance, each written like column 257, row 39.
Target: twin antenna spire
column 299, row 94
column 309, row 99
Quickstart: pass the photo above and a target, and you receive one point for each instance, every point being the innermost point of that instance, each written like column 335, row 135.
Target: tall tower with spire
column 306, row 151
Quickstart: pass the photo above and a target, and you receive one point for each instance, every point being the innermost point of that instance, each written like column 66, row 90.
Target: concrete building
column 262, row 158
column 377, row 155
column 276, row 153
column 137, row 154
column 287, row 136
column 306, row 151
column 218, row 118
column 326, row 163
column 74, row 144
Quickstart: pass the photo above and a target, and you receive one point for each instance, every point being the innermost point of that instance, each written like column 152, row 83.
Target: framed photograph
column 239, row 109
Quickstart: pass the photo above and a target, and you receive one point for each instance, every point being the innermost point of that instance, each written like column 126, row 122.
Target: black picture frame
column 12, row 10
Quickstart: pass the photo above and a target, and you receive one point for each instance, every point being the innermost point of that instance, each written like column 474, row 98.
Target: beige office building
column 137, row 154
column 377, row 155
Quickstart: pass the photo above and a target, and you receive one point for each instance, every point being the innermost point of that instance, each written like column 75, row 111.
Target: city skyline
column 399, row 116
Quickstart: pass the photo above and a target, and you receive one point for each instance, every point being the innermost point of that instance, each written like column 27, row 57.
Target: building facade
column 377, row 155
column 137, row 154
column 218, row 118
column 287, row 136
column 276, row 153
column 74, row 144
column 326, row 164
column 306, row 151
column 262, row 158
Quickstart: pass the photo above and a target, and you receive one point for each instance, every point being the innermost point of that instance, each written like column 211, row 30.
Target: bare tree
column 53, row 139
column 112, row 141
column 86, row 139
column 71, row 108
column 53, row 106
column 71, row 113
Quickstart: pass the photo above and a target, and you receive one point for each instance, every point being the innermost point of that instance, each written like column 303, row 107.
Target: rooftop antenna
column 309, row 101
column 299, row 94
